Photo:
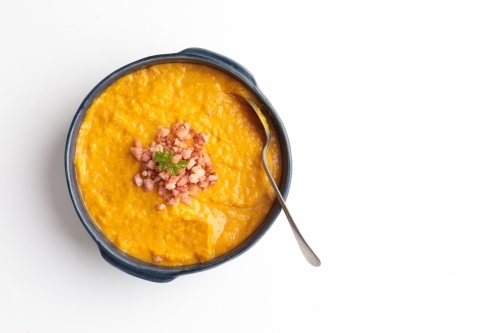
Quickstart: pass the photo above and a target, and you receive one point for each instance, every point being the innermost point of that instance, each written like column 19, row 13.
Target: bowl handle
column 203, row 53
column 135, row 272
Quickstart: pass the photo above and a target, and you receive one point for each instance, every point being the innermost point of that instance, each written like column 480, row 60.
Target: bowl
column 109, row 251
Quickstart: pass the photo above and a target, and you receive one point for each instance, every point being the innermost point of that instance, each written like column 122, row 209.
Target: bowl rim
column 110, row 252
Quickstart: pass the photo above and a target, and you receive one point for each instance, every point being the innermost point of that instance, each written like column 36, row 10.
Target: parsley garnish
column 164, row 160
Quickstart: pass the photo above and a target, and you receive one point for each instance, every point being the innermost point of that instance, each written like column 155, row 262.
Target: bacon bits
column 190, row 168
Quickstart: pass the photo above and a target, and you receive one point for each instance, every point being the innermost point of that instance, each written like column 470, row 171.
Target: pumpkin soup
column 204, row 190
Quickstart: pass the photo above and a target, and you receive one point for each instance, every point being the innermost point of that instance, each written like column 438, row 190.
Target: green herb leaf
column 164, row 160
column 174, row 168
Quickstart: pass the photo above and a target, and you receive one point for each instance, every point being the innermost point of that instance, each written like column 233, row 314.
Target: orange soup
column 147, row 223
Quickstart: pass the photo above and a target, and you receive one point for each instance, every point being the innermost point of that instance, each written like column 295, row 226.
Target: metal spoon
column 306, row 250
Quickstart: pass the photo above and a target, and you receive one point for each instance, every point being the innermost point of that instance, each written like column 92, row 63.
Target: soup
column 164, row 222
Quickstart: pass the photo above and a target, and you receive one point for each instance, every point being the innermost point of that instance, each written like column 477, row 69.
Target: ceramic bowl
column 111, row 253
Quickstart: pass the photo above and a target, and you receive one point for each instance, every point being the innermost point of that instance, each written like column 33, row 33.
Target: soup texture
column 142, row 223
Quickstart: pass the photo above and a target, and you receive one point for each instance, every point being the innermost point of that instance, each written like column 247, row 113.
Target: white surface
column 393, row 113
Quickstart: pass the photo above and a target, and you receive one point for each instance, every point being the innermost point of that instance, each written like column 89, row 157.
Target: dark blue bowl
column 112, row 253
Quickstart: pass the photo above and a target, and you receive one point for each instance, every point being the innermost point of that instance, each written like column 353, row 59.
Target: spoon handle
column 308, row 253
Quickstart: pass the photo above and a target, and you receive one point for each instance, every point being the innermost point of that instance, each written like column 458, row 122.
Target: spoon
column 306, row 250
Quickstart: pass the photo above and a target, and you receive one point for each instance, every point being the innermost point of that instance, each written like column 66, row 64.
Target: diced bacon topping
column 173, row 201
column 186, row 146
column 180, row 144
column 162, row 133
column 205, row 137
column 138, row 180
column 198, row 170
column 161, row 190
column 186, row 153
column 182, row 133
column 173, row 179
column 148, row 185
column 191, row 164
column 194, row 178
column 146, row 156
column 186, row 199
column 151, row 165
column 183, row 181
column 137, row 152
column 199, row 140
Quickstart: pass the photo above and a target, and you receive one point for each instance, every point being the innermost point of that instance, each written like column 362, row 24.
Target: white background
column 393, row 113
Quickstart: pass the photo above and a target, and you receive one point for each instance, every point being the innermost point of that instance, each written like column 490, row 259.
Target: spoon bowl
column 306, row 250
